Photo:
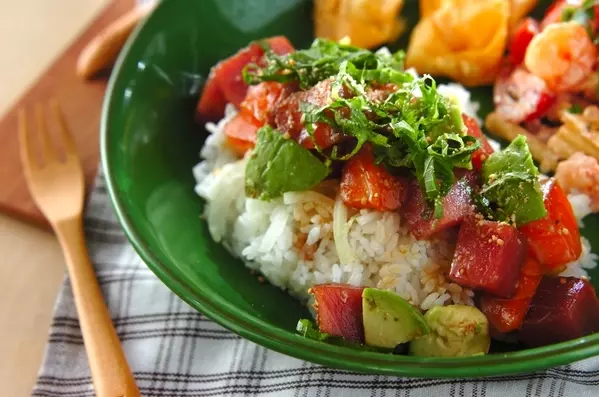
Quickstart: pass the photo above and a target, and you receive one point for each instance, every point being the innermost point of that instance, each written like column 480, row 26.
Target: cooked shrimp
column 563, row 55
column 581, row 173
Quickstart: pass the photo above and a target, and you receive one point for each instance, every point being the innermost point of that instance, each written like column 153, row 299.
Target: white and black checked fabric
column 177, row 352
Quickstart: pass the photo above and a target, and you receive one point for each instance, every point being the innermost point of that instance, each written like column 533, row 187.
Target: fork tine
column 66, row 136
column 48, row 150
column 27, row 155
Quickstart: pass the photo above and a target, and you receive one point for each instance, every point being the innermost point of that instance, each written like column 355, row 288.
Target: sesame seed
column 499, row 242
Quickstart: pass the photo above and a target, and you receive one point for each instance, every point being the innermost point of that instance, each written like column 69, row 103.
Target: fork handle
column 110, row 372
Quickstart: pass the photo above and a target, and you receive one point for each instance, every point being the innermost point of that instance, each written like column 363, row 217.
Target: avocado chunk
column 389, row 320
column 456, row 330
column 278, row 165
column 511, row 184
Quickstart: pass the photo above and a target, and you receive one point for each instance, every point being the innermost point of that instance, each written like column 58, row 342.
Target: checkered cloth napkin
column 175, row 351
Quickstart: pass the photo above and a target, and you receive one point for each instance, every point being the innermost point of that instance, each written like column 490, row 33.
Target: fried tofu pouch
column 518, row 9
column 461, row 39
column 367, row 23
column 427, row 7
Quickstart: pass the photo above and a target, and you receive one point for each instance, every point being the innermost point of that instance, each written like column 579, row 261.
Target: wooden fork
column 57, row 185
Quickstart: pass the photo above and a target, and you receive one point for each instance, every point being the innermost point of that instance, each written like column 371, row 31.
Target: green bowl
column 150, row 143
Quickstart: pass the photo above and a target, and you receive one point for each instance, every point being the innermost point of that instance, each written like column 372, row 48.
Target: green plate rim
column 287, row 342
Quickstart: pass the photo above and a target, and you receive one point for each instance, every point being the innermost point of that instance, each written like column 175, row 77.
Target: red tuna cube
column 563, row 308
column 488, row 256
column 507, row 314
column 457, row 204
column 339, row 310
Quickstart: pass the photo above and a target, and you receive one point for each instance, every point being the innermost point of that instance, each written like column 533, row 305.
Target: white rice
column 291, row 242
column 581, row 205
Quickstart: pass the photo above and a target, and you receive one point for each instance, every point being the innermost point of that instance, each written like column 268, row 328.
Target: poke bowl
column 292, row 240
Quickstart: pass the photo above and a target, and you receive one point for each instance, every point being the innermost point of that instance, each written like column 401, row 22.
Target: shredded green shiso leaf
column 323, row 60
column 415, row 127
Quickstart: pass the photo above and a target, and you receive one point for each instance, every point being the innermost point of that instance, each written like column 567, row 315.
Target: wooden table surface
column 32, row 34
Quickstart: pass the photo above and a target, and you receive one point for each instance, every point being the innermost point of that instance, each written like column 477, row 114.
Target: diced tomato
column 261, row 99
column 555, row 239
column 523, row 34
column 478, row 157
column 365, row 184
column 288, row 118
column 457, row 205
column 563, row 308
column 521, row 96
column 241, row 134
column 228, row 72
column 507, row 314
column 211, row 105
column 280, row 45
column 488, row 256
column 339, row 310
column 226, row 75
